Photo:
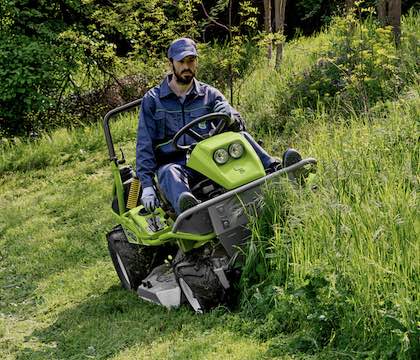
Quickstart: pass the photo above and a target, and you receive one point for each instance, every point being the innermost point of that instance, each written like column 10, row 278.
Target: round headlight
column 236, row 150
column 221, row 156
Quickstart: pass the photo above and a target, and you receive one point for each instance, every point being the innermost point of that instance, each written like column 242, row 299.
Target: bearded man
column 165, row 109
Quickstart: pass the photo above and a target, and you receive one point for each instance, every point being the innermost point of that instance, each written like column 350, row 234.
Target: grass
column 346, row 256
column 60, row 296
column 337, row 268
column 332, row 271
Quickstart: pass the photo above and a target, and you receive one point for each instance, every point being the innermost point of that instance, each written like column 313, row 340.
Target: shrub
column 44, row 46
column 359, row 66
column 219, row 61
column 30, row 72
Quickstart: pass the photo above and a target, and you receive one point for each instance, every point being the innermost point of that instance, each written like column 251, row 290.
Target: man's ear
column 170, row 65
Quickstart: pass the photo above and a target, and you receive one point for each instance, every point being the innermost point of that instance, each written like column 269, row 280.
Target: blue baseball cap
column 181, row 48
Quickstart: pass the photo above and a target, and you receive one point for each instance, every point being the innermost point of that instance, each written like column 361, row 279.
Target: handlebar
column 107, row 132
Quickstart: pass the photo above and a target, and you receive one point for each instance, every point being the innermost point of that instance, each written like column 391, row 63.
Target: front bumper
column 228, row 214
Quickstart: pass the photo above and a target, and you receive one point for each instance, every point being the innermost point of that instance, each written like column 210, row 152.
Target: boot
column 186, row 201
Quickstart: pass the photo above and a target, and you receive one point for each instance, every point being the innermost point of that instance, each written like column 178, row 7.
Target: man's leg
column 265, row 158
column 174, row 180
column 290, row 156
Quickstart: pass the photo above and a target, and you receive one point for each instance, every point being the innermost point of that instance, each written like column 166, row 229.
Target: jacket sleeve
column 146, row 133
column 238, row 123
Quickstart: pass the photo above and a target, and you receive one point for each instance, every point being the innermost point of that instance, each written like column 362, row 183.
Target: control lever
column 155, row 223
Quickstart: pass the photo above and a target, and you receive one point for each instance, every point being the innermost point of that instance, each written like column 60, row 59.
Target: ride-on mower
column 194, row 257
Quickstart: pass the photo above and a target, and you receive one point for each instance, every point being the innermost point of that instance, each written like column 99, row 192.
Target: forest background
column 66, row 62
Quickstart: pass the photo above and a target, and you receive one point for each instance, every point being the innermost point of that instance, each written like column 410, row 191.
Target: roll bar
column 107, row 132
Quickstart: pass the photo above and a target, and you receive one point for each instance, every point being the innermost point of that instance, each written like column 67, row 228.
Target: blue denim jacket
column 161, row 116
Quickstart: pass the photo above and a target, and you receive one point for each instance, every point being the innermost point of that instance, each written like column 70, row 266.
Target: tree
column 389, row 13
column 279, row 14
column 267, row 25
column 349, row 5
column 50, row 49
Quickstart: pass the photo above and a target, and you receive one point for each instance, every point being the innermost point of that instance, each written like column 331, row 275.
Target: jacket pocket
column 159, row 118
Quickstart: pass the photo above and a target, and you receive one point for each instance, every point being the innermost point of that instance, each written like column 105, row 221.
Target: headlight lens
column 221, row 156
column 236, row 150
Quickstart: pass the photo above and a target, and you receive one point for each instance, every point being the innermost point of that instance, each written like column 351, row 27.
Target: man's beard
column 185, row 77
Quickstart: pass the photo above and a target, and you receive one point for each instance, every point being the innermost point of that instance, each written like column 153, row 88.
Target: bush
column 218, row 61
column 45, row 46
column 359, row 66
column 30, row 71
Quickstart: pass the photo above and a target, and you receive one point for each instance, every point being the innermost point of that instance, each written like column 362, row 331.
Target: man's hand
column 149, row 199
column 222, row 107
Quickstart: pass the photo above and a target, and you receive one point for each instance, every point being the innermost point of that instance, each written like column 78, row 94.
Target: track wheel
column 199, row 283
column 132, row 262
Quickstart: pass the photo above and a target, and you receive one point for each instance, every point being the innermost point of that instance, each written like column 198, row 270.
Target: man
column 165, row 109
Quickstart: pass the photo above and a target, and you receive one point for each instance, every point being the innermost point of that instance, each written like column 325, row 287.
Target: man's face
column 185, row 69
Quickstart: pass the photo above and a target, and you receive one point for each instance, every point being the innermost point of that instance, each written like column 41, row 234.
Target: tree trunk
column 230, row 64
column 349, row 6
column 267, row 26
column 279, row 12
column 389, row 13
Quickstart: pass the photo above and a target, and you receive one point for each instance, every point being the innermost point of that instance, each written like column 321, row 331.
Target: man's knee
column 170, row 171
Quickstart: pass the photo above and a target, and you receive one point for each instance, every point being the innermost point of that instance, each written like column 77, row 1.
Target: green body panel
column 236, row 172
column 137, row 229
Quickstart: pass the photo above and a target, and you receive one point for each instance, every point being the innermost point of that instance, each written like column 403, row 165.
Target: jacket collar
column 165, row 90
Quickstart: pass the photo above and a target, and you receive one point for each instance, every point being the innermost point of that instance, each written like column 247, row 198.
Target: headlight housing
column 221, row 156
column 236, row 150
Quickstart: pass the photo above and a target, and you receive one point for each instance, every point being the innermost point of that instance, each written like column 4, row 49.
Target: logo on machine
column 130, row 235
column 202, row 125
column 239, row 170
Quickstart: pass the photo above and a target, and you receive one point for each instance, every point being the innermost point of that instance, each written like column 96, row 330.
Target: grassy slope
column 353, row 242
column 60, row 298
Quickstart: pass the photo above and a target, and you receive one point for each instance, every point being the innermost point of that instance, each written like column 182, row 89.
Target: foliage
column 27, row 81
column 332, row 271
column 79, row 46
column 318, row 9
column 52, row 42
column 33, row 64
column 218, row 60
column 309, row 16
column 223, row 62
column 359, row 66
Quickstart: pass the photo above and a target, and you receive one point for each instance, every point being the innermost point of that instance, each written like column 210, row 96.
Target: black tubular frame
column 107, row 132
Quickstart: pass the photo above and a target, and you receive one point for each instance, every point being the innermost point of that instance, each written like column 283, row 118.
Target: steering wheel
column 188, row 129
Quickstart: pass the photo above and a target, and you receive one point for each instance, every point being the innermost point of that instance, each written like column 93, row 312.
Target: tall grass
column 336, row 264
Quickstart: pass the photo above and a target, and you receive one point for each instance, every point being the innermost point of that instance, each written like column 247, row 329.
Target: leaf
column 395, row 323
column 260, row 269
